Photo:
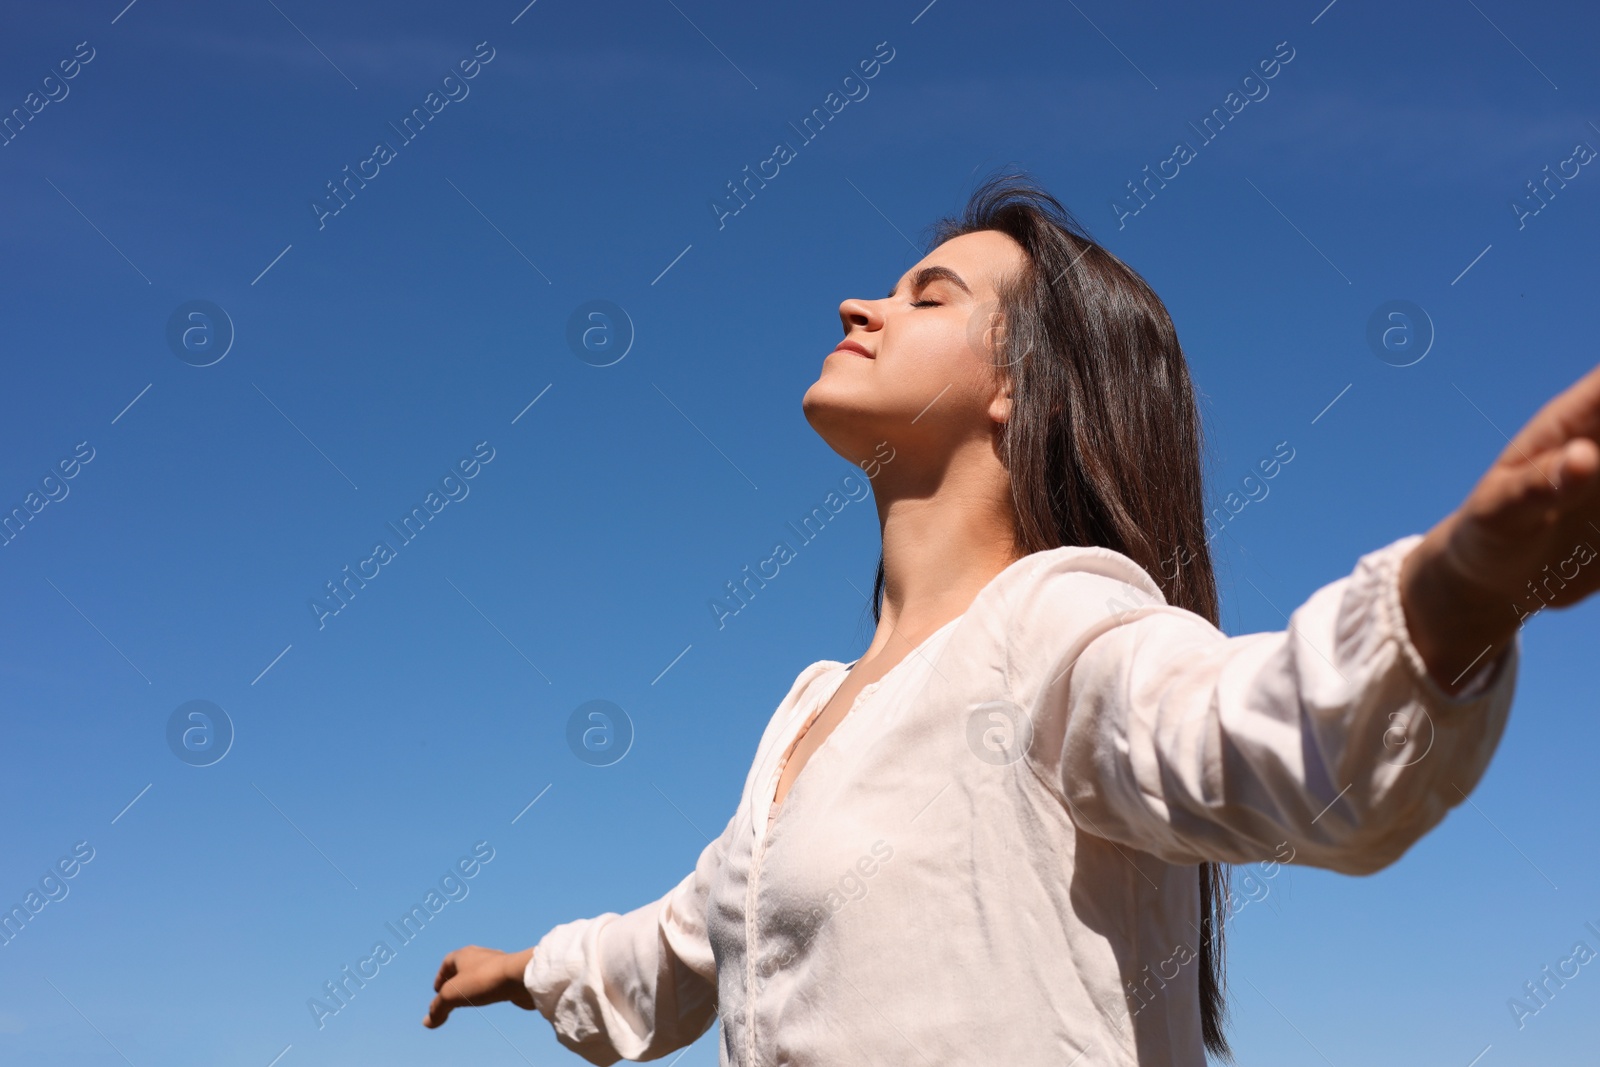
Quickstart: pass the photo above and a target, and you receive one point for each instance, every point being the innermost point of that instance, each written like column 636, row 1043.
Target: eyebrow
column 928, row 275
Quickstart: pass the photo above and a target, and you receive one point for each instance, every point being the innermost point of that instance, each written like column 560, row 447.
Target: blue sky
column 374, row 349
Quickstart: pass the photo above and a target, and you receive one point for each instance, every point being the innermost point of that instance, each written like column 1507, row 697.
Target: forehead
column 981, row 258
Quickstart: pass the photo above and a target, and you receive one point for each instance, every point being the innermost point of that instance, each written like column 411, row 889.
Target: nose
column 859, row 315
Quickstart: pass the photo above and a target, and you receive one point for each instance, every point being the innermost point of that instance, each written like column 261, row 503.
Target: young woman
column 997, row 836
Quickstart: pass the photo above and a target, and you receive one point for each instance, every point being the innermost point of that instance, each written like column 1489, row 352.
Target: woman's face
column 915, row 367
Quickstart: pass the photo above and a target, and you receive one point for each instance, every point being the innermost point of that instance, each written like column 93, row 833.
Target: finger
column 447, row 971
column 1580, row 461
column 1573, row 412
column 1538, row 483
column 1563, row 474
column 1550, row 484
column 438, row 1012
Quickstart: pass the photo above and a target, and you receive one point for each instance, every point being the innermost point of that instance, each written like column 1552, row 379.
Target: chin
column 842, row 425
column 829, row 410
column 819, row 400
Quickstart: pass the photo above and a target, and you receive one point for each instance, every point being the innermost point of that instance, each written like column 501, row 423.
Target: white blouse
column 991, row 858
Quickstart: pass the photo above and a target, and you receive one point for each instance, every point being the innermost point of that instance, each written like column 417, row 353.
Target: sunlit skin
column 933, row 390
column 1465, row 587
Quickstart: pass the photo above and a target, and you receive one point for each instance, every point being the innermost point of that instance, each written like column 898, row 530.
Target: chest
column 899, row 810
column 821, row 727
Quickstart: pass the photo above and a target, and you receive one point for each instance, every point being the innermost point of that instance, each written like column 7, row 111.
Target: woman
column 1010, row 852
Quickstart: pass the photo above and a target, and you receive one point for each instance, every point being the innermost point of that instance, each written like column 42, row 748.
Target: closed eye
column 924, row 303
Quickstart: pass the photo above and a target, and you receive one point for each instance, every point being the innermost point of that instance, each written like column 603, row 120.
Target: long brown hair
column 1103, row 444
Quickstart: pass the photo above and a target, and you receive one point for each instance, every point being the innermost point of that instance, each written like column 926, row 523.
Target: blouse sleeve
column 1163, row 734
column 636, row 985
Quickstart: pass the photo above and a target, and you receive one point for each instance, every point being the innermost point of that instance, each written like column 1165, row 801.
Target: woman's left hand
column 1523, row 540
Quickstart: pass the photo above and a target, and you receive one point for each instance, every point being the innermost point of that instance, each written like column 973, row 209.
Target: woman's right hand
column 474, row 976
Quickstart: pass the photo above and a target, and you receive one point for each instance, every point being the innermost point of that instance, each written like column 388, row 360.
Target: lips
column 855, row 347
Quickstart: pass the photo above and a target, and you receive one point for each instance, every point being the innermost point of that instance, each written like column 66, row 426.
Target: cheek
column 936, row 347
column 944, row 359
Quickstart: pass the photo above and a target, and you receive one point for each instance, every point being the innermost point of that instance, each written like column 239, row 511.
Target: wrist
column 1456, row 623
column 516, row 965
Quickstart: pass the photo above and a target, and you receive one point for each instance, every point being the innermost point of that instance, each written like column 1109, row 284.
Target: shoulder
column 1046, row 607
column 1060, row 584
column 1078, row 565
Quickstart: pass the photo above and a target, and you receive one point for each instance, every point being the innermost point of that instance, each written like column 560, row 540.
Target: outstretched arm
column 1349, row 734
column 616, row 986
column 1520, row 541
column 1163, row 734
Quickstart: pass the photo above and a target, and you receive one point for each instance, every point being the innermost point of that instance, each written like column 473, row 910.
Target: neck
column 946, row 533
